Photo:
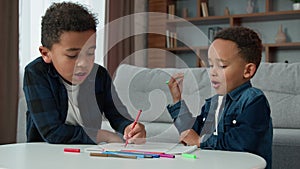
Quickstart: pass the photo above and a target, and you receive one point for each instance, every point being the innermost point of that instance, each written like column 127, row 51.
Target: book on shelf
column 171, row 11
column 167, row 38
column 184, row 12
column 171, row 39
column 204, row 9
column 174, row 40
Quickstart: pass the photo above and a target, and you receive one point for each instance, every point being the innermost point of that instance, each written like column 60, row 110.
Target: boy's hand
column 136, row 135
column 108, row 136
column 175, row 86
column 190, row 137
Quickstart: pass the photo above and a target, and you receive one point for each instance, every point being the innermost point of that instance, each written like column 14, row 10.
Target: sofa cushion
column 286, row 148
column 146, row 89
column 286, row 137
column 281, row 84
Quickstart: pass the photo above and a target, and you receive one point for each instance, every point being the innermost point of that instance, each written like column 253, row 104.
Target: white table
column 52, row 156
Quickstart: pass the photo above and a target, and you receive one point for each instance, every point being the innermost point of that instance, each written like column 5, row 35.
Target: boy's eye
column 91, row 51
column 72, row 56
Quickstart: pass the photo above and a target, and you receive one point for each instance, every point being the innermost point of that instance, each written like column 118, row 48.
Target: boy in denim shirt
column 66, row 92
column 237, row 118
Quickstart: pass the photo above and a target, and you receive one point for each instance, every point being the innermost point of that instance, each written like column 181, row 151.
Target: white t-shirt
column 220, row 98
column 73, row 116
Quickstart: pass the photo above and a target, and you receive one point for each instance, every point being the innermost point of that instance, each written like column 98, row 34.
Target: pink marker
column 167, row 155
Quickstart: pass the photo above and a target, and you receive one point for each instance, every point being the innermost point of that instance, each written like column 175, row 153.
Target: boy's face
column 227, row 69
column 73, row 57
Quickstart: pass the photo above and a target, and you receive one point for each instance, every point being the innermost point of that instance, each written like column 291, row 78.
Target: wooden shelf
column 257, row 17
column 288, row 45
column 271, row 50
column 268, row 16
column 201, row 20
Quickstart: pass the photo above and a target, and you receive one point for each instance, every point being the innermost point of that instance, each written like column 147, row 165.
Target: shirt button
column 233, row 121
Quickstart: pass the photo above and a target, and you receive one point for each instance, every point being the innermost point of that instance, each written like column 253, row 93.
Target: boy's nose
column 82, row 61
column 213, row 71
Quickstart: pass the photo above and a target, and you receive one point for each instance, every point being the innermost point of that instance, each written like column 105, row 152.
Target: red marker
column 72, row 150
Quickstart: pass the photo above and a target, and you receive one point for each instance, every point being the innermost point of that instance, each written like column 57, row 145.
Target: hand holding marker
column 134, row 123
column 177, row 76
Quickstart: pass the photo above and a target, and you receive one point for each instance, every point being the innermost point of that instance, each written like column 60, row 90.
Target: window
column 30, row 15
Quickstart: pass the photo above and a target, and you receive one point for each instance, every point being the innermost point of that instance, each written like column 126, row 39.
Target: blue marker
column 127, row 153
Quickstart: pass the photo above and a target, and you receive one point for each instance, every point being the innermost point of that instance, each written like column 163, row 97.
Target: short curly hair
column 247, row 40
column 65, row 16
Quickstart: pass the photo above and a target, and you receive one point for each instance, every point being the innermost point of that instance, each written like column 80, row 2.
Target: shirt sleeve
column 183, row 118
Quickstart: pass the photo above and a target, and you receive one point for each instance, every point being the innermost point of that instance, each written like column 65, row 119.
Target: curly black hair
column 65, row 16
column 247, row 40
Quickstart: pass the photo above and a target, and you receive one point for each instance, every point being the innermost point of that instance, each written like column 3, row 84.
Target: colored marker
column 134, row 123
column 72, row 150
column 146, row 155
column 126, row 154
column 112, row 155
column 139, row 151
column 140, row 155
column 154, row 154
column 167, row 82
column 167, row 155
column 189, row 156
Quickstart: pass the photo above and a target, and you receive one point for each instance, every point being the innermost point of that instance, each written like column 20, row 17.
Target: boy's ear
column 45, row 52
column 249, row 70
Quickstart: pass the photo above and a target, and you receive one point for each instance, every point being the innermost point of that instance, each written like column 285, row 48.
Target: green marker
column 167, row 82
column 189, row 156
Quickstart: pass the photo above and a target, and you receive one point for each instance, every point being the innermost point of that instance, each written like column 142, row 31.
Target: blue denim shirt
column 47, row 103
column 245, row 123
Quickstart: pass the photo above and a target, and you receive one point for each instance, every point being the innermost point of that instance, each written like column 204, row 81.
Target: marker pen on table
column 189, row 155
column 72, row 150
column 125, row 153
column 112, row 155
column 167, row 155
column 154, row 154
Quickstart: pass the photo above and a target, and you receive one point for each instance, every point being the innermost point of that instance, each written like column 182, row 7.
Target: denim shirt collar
column 236, row 93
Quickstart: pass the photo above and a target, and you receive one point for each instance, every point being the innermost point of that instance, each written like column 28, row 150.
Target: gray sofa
column 143, row 88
